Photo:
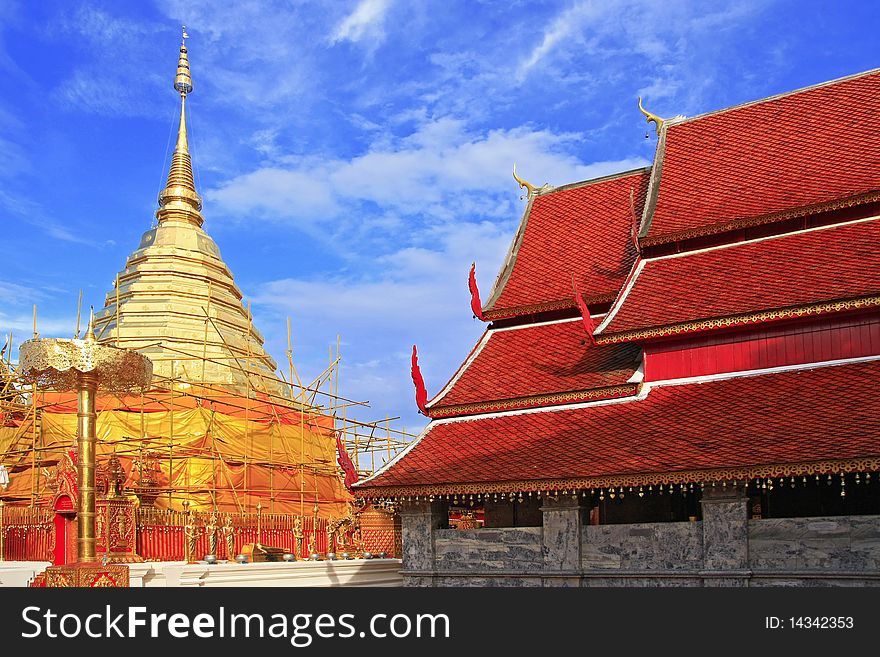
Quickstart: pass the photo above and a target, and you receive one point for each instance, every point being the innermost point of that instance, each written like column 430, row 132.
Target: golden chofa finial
column 650, row 117
column 522, row 183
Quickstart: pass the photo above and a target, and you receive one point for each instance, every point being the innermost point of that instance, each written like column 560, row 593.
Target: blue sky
column 355, row 157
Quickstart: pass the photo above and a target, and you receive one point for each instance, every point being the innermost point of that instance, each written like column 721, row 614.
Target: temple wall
column 839, row 543
column 512, row 548
column 646, row 546
column 724, row 549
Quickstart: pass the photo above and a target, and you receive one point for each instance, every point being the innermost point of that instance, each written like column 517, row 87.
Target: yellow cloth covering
column 215, row 458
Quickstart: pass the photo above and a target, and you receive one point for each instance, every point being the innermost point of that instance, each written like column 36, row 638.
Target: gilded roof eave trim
column 748, row 222
column 533, row 401
column 535, row 308
column 739, row 320
column 709, row 475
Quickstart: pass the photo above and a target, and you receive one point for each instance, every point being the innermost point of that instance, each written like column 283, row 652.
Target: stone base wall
column 730, row 551
column 508, row 549
column 646, row 546
column 842, row 543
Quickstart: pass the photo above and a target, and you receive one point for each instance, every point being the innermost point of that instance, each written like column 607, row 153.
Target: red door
column 65, row 519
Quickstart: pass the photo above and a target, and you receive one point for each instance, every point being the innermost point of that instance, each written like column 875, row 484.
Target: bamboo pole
column 118, row 325
column 34, row 471
column 78, row 312
column 388, row 435
column 171, row 437
column 247, row 423
column 205, row 337
column 2, row 532
column 292, row 369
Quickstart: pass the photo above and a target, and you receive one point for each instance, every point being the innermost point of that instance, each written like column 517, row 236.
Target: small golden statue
column 121, row 527
column 297, row 536
column 211, row 533
column 331, row 534
column 311, row 544
column 191, row 535
column 229, row 539
column 100, row 528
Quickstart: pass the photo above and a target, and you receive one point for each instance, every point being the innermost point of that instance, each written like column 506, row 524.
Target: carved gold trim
column 749, row 222
column 533, row 401
column 516, row 311
column 862, row 464
column 736, row 320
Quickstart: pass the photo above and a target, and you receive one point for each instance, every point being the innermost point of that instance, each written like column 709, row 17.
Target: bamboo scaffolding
column 178, row 392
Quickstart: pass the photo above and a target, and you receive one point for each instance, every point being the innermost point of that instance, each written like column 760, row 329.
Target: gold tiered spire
column 179, row 200
column 176, row 300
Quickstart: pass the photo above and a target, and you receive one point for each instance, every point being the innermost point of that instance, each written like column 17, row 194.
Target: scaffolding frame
column 317, row 406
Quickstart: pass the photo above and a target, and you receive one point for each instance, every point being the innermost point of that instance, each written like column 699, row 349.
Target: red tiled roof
column 546, row 359
column 581, row 230
column 808, row 148
column 798, row 269
column 800, row 416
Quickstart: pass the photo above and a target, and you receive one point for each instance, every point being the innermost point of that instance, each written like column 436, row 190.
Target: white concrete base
column 354, row 572
column 20, row 573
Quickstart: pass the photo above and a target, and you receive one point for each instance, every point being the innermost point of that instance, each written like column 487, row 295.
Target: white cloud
column 364, row 22
column 13, row 293
column 441, row 170
column 566, row 25
column 412, row 295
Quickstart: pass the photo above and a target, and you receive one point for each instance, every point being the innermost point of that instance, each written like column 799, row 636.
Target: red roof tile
column 546, row 359
column 807, row 148
column 797, row 269
column 581, row 230
column 789, row 417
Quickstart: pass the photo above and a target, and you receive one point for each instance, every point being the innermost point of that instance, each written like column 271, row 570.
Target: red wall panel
column 794, row 343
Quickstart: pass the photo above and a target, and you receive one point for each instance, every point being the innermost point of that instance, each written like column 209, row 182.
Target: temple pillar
column 563, row 517
column 725, row 536
column 418, row 520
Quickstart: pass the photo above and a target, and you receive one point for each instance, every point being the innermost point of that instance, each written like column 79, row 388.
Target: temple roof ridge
column 681, row 118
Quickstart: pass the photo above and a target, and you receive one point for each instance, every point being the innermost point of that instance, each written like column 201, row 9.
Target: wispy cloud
column 566, row 25
column 441, row 170
column 404, row 297
column 34, row 214
column 365, row 22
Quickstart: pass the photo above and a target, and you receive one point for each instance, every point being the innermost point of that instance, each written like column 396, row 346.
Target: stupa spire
column 179, row 200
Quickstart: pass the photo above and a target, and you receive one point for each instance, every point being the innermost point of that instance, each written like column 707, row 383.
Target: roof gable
column 796, row 271
column 536, row 365
column 815, row 149
column 579, row 230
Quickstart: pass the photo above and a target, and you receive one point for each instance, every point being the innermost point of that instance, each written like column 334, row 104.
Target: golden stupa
column 176, row 298
column 221, row 429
